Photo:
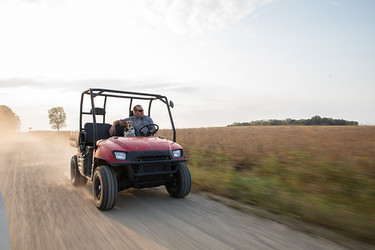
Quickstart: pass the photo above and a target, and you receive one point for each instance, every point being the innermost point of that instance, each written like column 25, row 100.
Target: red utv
column 116, row 163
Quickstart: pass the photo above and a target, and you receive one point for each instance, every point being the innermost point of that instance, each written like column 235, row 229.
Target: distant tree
column 326, row 121
column 288, row 121
column 57, row 118
column 315, row 120
column 9, row 121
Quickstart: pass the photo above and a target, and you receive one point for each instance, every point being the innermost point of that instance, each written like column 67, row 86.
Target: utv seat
column 102, row 132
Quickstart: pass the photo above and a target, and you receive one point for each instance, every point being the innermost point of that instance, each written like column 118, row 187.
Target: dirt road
column 44, row 211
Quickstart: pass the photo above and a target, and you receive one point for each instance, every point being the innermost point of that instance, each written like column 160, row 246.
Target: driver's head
column 138, row 111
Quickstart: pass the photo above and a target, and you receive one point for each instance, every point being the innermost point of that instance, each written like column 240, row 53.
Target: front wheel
column 182, row 184
column 75, row 176
column 105, row 188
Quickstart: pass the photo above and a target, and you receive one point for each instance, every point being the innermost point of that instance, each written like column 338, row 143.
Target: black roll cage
column 94, row 92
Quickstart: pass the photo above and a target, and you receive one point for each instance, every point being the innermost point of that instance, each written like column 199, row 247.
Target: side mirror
column 171, row 104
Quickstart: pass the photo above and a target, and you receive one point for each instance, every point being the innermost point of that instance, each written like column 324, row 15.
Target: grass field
column 322, row 175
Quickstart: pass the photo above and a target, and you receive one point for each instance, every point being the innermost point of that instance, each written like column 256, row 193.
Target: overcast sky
column 220, row 61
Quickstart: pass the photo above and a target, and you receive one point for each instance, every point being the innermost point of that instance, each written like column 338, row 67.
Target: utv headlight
column 177, row 153
column 120, row 155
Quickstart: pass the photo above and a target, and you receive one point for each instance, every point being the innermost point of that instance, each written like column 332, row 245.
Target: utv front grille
column 152, row 165
column 154, row 168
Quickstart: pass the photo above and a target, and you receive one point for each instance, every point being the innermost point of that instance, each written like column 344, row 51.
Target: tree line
column 10, row 122
column 315, row 120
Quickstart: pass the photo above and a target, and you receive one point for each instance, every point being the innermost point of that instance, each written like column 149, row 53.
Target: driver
column 138, row 118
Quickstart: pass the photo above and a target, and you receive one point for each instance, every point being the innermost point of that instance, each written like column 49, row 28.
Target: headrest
column 98, row 111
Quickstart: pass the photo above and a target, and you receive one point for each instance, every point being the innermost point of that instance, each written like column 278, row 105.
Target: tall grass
column 322, row 175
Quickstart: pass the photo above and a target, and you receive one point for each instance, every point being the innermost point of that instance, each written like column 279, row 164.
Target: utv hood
column 105, row 148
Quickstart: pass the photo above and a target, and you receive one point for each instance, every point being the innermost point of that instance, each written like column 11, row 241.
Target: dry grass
column 257, row 142
column 323, row 175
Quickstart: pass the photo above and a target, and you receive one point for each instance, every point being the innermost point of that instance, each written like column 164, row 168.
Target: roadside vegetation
column 323, row 175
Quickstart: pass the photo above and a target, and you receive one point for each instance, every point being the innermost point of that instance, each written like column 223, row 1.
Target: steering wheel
column 151, row 129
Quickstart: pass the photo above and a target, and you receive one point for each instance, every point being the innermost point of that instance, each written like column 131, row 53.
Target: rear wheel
column 105, row 188
column 75, row 176
column 182, row 184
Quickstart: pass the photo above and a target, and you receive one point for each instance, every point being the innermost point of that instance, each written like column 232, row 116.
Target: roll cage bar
column 94, row 92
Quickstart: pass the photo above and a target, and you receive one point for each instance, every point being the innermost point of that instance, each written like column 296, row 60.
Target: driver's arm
column 113, row 127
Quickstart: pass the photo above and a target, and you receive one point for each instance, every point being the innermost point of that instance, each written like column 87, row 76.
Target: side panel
column 85, row 161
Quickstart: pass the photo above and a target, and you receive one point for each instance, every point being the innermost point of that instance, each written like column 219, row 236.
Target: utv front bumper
column 146, row 171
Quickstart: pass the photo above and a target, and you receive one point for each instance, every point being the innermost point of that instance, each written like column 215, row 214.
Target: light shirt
column 139, row 123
